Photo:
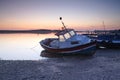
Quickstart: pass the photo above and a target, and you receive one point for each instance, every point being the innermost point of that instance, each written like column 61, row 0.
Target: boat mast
column 64, row 26
column 63, row 23
column 104, row 27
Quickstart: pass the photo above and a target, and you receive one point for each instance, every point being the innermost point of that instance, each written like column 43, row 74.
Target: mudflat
column 104, row 65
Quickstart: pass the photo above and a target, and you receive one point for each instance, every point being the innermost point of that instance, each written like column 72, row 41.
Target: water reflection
column 46, row 54
column 21, row 46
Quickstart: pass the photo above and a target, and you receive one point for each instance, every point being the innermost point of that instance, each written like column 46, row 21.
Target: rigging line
column 33, row 49
column 34, row 46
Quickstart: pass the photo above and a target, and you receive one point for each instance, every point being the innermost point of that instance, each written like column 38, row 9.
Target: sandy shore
column 104, row 65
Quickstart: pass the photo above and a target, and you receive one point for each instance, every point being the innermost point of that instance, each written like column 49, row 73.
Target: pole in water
column 104, row 27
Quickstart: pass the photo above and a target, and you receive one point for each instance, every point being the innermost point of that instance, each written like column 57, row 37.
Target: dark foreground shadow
column 52, row 55
column 107, row 52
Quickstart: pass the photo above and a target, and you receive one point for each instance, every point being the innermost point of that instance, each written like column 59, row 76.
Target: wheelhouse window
column 72, row 33
column 67, row 36
column 61, row 38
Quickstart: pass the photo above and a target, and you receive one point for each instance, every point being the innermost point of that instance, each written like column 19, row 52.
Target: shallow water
column 27, row 47
column 21, row 46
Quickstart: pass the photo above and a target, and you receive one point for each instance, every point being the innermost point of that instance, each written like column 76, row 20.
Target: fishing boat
column 69, row 42
column 109, row 40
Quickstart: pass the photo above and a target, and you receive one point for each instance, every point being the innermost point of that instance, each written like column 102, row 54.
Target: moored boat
column 109, row 40
column 69, row 42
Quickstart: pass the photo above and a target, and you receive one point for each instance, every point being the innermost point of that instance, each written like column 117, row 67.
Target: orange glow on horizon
column 37, row 23
column 33, row 26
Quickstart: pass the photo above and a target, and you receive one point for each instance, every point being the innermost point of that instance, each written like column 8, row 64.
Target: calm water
column 21, row 46
column 27, row 47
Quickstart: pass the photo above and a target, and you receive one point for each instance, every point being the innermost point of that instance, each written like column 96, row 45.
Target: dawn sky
column 44, row 14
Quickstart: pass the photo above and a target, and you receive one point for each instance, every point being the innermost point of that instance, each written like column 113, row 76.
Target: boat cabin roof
column 63, row 32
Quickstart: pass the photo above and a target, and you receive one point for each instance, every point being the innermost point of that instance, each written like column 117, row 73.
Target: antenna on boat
column 104, row 27
column 63, row 23
column 64, row 26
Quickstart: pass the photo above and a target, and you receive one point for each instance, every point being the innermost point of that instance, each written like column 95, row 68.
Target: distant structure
column 104, row 27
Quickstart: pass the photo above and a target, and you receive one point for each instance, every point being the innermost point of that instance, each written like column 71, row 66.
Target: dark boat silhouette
column 110, row 40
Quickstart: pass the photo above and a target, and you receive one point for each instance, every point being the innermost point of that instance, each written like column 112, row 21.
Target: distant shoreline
column 39, row 31
column 46, row 31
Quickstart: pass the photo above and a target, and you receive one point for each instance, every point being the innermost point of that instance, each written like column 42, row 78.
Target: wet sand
column 104, row 65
